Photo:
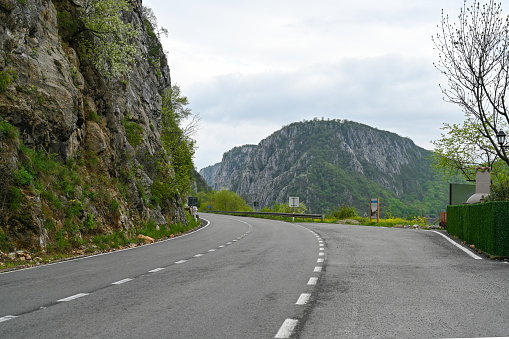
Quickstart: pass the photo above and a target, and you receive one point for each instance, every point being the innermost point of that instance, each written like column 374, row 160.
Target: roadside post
column 294, row 202
column 374, row 210
column 192, row 202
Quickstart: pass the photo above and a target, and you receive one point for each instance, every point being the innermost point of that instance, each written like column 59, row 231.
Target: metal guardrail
column 274, row 214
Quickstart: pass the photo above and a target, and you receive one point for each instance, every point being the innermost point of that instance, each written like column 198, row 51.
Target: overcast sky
column 249, row 67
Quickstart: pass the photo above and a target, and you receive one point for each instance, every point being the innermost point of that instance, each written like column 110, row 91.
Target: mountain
column 80, row 152
column 330, row 163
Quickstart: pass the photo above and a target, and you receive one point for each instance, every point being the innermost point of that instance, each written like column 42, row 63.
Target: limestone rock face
column 63, row 106
column 326, row 163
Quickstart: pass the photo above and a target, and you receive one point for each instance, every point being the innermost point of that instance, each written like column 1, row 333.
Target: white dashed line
column 7, row 317
column 180, row 261
column 286, row 330
column 221, row 246
column 211, row 250
column 312, row 281
column 303, row 299
column 121, row 281
column 318, row 269
column 72, row 297
column 229, row 243
column 156, row 270
column 320, row 260
column 198, row 255
column 321, row 254
column 322, row 249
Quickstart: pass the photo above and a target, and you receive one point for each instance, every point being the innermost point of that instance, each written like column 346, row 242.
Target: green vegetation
column 134, row 133
column 482, row 225
column 223, row 200
column 343, row 212
column 328, row 183
column 69, row 192
column 285, row 208
column 174, row 178
column 100, row 35
column 6, row 78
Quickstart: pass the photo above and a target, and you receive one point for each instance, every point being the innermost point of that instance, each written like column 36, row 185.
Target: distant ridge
column 329, row 163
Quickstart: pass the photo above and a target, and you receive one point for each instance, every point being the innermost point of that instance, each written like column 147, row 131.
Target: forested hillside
column 329, row 163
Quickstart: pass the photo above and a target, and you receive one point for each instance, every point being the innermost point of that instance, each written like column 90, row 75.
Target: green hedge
column 484, row 225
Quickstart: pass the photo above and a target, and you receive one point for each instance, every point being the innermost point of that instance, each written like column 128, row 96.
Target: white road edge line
column 7, row 317
column 121, row 281
column 107, row 253
column 303, row 299
column 72, row 297
column 286, row 330
column 475, row 256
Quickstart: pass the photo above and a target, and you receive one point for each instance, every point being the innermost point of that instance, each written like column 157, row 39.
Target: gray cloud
column 390, row 92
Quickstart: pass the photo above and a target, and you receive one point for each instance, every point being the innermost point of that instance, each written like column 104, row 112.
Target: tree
column 473, row 57
column 178, row 121
column 175, row 176
column 102, row 36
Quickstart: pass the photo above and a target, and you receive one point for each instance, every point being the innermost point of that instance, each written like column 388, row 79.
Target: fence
column 274, row 214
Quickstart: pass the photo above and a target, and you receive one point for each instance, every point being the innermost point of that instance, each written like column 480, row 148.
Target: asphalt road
column 403, row 283
column 232, row 279
column 255, row 278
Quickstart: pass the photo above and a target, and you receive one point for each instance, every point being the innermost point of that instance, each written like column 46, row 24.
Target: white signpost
column 294, row 202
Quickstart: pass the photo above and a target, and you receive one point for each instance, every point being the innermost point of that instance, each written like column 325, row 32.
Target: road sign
column 192, row 201
column 374, row 209
column 294, row 202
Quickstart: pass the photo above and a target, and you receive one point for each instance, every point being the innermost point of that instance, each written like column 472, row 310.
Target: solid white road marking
column 72, row 297
column 320, row 260
column 7, row 317
column 303, row 299
column 312, row 281
column 459, row 246
column 286, row 330
column 317, row 269
column 121, row 281
column 156, row 270
column 180, row 261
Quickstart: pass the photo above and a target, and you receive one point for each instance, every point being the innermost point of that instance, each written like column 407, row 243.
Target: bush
column 343, row 212
column 499, row 191
column 223, row 200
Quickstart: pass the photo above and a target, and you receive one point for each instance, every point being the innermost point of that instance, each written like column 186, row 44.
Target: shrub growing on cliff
column 103, row 38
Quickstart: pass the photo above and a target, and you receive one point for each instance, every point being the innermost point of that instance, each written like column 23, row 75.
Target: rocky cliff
column 329, row 164
column 98, row 137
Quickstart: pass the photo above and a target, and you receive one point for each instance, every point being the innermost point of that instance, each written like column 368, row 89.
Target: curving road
column 232, row 279
column 256, row 278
